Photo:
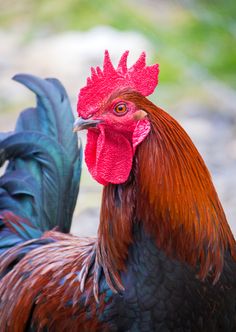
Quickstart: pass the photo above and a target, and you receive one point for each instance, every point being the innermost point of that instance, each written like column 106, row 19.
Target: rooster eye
column 120, row 109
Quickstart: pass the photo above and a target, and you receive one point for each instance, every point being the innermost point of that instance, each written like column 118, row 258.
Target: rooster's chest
column 162, row 294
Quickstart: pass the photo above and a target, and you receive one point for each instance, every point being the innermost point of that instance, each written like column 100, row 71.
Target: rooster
column 164, row 257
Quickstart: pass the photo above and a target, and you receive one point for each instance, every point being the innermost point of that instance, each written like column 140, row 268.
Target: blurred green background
column 193, row 41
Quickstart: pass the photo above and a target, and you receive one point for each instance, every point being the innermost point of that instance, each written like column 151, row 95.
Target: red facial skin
column 111, row 145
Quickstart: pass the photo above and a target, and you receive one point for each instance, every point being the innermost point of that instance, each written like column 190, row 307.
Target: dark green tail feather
column 41, row 182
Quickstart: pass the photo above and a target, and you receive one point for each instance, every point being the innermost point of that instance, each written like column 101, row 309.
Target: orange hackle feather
column 171, row 192
column 52, row 288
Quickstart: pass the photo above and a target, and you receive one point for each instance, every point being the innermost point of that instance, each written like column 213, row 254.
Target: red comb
column 102, row 83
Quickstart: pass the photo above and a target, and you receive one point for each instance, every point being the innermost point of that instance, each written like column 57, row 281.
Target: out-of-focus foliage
column 187, row 34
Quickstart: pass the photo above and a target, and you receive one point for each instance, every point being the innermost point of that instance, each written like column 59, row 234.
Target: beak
column 81, row 124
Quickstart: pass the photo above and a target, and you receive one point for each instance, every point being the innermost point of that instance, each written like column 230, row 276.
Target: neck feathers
column 171, row 192
column 115, row 231
column 184, row 213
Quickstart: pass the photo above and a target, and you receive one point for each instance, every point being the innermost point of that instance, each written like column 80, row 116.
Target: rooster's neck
column 171, row 193
column 115, row 229
column 176, row 199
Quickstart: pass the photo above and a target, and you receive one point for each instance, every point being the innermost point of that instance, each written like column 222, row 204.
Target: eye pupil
column 120, row 109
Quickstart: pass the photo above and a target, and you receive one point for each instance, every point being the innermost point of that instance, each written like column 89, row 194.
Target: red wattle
column 108, row 155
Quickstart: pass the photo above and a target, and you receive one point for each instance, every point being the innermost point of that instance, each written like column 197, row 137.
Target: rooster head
column 116, row 124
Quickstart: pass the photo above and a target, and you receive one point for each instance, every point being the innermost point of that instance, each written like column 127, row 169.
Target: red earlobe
column 141, row 131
